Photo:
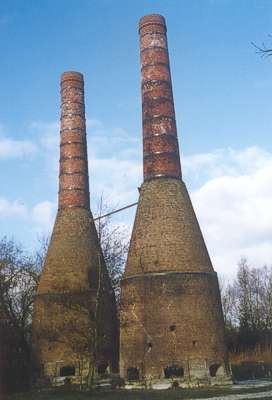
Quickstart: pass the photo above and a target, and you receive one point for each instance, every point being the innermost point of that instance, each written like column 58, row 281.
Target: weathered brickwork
column 172, row 319
column 74, row 323
column 169, row 282
column 161, row 152
column 166, row 234
column 74, row 181
column 171, row 315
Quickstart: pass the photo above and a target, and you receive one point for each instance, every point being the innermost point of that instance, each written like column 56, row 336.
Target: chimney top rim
column 152, row 19
column 74, row 75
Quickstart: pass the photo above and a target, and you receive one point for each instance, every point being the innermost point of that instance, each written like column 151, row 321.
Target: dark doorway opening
column 133, row 374
column 213, row 369
column 67, row 370
column 173, row 371
column 102, row 369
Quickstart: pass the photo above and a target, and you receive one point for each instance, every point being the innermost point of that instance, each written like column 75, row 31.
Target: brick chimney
column 75, row 302
column 171, row 321
column 160, row 142
column 73, row 179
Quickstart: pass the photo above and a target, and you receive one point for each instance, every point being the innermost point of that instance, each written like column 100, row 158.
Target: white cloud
column 115, row 165
column 39, row 218
column 93, row 123
column 48, row 140
column 204, row 166
column 234, row 207
column 116, row 179
column 12, row 208
column 11, row 148
column 47, row 134
column 231, row 189
column 42, row 215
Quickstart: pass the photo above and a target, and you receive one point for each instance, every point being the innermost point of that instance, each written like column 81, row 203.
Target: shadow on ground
column 262, row 389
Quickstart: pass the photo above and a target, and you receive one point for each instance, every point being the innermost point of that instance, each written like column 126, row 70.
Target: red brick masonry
column 171, row 320
column 161, row 152
column 74, row 181
column 74, row 321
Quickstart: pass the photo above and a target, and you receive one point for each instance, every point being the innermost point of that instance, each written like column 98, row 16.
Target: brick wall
column 169, row 283
column 74, row 312
column 171, row 313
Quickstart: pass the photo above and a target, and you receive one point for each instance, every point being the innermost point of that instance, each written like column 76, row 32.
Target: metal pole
column 115, row 211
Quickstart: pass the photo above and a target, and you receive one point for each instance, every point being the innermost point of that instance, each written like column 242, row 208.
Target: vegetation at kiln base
column 247, row 307
column 114, row 243
column 19, row 277
column 177, row 394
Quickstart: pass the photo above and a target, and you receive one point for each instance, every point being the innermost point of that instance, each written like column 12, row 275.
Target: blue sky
column 222, row 92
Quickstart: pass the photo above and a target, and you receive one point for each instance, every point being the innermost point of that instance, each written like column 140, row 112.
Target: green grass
column 177, row 394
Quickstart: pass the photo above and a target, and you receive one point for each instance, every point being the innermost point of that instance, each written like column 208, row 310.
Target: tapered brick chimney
column 74, row 323
column 74, row 180
column 171, row 315
column 161, row 151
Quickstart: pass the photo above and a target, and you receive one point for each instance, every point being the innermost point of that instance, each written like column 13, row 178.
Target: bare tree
column 229, row 304
column 19, row 275
column 114, row 241
column 247, row 307
column 263, row 50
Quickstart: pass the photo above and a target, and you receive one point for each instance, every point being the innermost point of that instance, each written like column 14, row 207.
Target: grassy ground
column 177, row 394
